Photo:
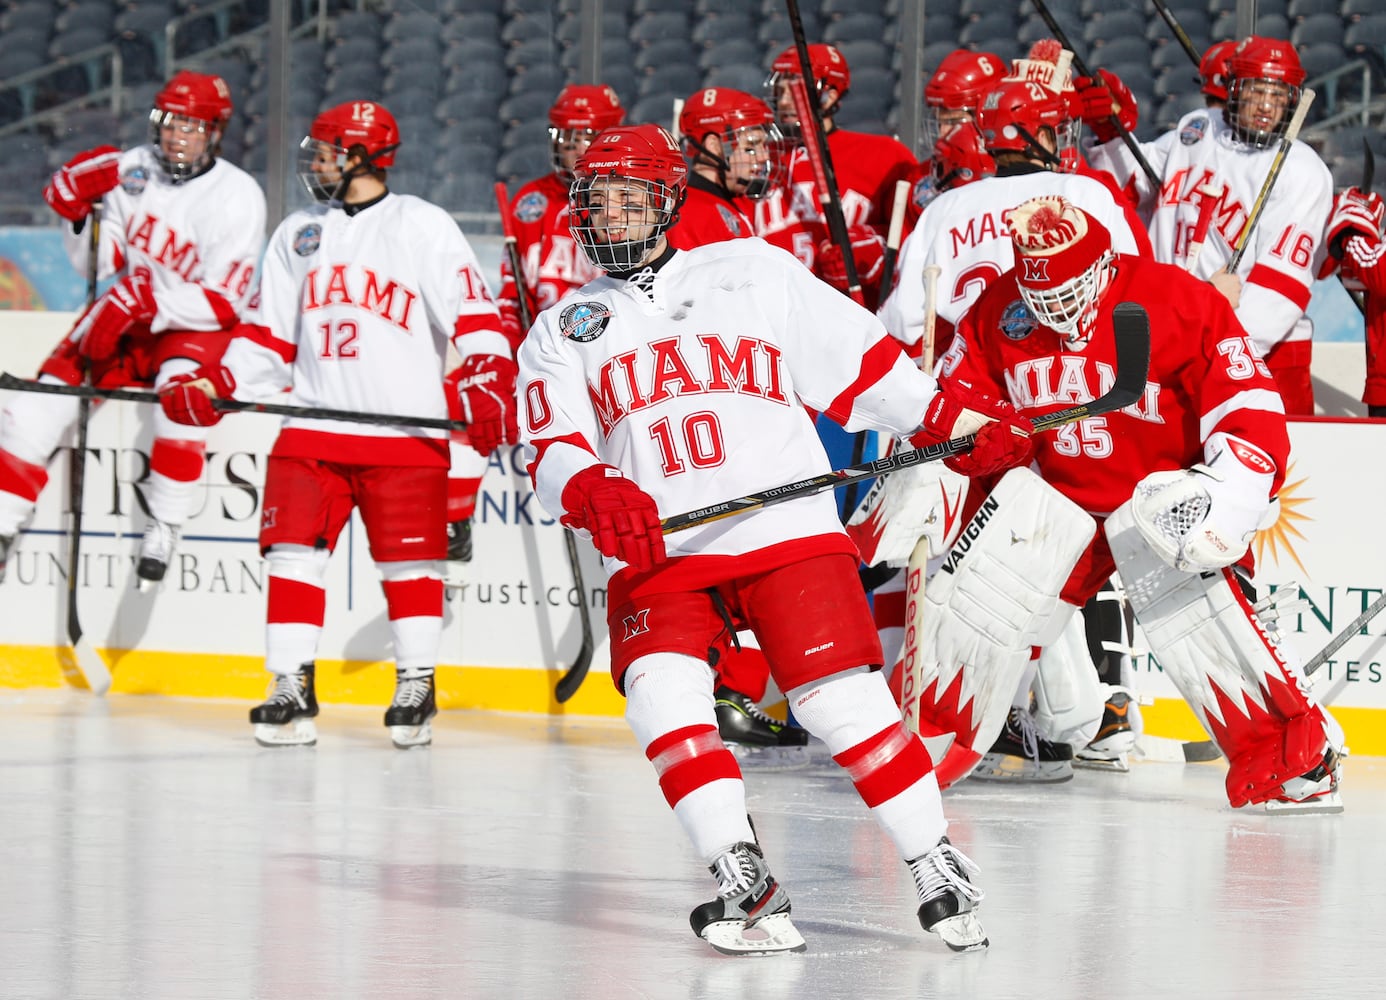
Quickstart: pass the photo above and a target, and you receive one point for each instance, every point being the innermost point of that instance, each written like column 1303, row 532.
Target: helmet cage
column 563, row 151
column 618, row 221
column 322, row 187
column 176, row 165
column 1070, row 308
column 1244, row 93
column 1063, row 265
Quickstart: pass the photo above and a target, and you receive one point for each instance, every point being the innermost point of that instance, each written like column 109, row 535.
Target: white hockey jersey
column 964, row 232
column 1286, row 248
column 200, row 239
column 354, row 312
column 690, row 380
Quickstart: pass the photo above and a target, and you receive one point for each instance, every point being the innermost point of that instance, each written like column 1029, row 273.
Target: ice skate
column 410, row 715
column 1115, row 738
column 1314, row 792
column 6, row 543
column 948, row 897
column 459, row 553
column 1021, row 754
column 156, row 550
column 756, row 738
column 286, row 717
column 750, row 915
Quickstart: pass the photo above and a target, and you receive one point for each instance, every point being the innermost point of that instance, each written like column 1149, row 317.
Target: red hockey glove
column 1003, row 436
column 486, row 388
column 187, row 398
column 1095, row 104
column 129, row 301
column 868, row 253
column 82, row 181
column 511, row 326
column 621, row 517
column 1354, row 213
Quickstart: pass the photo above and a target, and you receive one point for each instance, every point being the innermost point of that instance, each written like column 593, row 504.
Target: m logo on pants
column 637, row 624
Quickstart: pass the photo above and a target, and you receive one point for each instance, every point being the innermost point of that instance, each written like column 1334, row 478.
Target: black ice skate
column 6, row 543
column 460, row 540
column 156, row 551
column 750, row 915
column 755, row 737
column 948, row 898
column 1315, row 791
column 1020, row 754
column 410, row 715
column 286, row 717
column 1115, row 737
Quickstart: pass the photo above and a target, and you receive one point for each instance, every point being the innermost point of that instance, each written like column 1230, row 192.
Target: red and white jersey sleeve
column 355, row 312
column 1286, row 247
column 199, row 240
column 691, row 384
column 965, row 233
column 706, row 217
column 553, row 262
column 1205, row 379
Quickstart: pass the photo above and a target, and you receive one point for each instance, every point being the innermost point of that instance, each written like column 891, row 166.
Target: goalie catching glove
column 486, row 388
column 621, row 517
column 82, row 181
column 187, row 398
column 1003, row 435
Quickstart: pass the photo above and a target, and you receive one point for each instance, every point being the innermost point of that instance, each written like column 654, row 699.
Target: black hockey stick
column 1131, row 333
column 577, row 673
column 1180, row 34
column 84, row 659
column 8, row 381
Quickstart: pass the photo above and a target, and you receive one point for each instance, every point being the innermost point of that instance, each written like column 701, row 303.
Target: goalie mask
column 190, row 115
column 747, row 157
column 956, row 90
column 829, row 72
column 1264, row 78
column 627, row 191
column 579, row 113
column 362, row 130
column 1063, row 265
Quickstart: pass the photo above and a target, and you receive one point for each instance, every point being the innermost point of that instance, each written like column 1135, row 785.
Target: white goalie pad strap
column 996, row 595
column 921, row 501
column 1230, row 667
column 1069, row 700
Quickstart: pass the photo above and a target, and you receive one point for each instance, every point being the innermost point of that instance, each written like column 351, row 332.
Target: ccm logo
column 1253, row 459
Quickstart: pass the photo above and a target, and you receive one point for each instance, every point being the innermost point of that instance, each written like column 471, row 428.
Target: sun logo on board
column 1281, row 536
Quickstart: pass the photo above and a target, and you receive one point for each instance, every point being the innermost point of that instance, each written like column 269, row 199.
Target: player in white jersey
column 964, row 231
column 181, row 232
column 1231, row 150
column 357, row 300
column 678, row 380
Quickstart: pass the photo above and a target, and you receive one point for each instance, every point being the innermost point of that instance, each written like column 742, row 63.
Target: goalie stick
column 1131, row 333
column 577, row 673
column 80, row 657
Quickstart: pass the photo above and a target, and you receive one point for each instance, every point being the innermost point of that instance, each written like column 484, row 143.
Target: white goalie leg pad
column 996, row 595
column 921, row 501
column 1069, row 701
column 1242, row 682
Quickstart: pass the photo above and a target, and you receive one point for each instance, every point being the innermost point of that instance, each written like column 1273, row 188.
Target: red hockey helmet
column 627, row 191
column 188, row 105
column 1263, row 88
column 956, row 89
column 830, row 70
column 1212, row 69
column 1063, row 264
column 960, row 157
column 1012, row 116
column 362, row 129
column 748, row 160
column 580, row 111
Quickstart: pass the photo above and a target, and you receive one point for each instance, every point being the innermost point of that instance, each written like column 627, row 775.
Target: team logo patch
column 924, row 192
column 732, row 221
column 134, row 180
column 531, row 207
column 1017, row 323
column 1193, row 130
column 636, row 624
column 1036, row 268
column 584, row 321
column 308, row 239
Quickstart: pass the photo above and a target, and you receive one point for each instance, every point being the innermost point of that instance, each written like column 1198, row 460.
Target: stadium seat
column 854, row 28
column 1111, row 25
column 1318, row 29
column 735, row 52
column 748, row 77
column 1367, row 37
column 657, row 27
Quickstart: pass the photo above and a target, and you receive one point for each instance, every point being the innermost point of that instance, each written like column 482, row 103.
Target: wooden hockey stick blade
column 569, row 683
column 1131, row 328
column 8, row 381
column 82, row 665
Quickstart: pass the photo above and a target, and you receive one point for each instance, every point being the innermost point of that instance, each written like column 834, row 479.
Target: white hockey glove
column 1204, row 518
column 920, row 501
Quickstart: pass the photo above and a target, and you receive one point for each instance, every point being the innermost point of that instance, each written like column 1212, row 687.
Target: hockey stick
column 571, row 680
column 1131, row 334
column 82, row 658
column 892, row 243
column 8, row 381
column 1208, row 197
column 1126, row 137
column 1287, row 141
column 926, row 358
column 1180, row 34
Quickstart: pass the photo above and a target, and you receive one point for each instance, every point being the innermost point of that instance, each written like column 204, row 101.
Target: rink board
column 513, row 628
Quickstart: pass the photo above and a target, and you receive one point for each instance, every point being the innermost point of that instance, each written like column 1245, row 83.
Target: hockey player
column 677, row 380
column 1358, row 253
column 181, row 232
column 1233, row 150
column 867, row 167
column 357, row 299
column 1187, row 475
column 1213, row 73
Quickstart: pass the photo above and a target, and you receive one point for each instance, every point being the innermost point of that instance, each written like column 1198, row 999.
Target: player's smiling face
column 622, row 209
column 183, row 140
column 1261, row 104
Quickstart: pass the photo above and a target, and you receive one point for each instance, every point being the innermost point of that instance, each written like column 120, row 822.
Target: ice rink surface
column 152, row 851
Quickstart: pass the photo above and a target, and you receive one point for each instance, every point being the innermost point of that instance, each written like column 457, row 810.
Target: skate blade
column 143, row 586
column 1119, row 744
column 962, row 932
column 1020, row 770
column 768, row 936
column 453, row 579
column 1115, row 765
column 406, row 737
column 1321, row 805
column 299, row 733
column 769, row 758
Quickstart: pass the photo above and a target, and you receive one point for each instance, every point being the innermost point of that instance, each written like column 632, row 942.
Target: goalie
column 1178, row 483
